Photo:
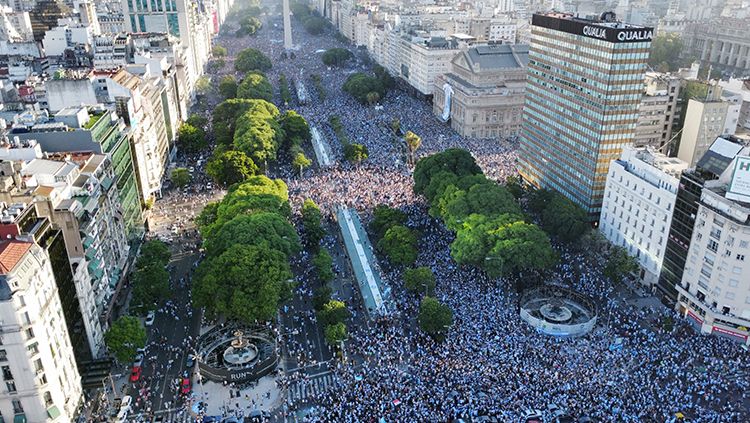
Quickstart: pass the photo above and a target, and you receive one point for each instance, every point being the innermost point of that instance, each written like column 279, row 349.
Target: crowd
column 491, row 363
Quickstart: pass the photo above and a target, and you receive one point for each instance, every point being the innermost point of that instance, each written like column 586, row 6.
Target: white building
column 418, row 60
column 639, row 199
column 704, row 121
column 42, row 383
column 714, row 294
column 66, row 35
column 742, row 88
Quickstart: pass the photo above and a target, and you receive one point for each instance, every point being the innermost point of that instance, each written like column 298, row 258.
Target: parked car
column 150, row 317
column 138, row 362
column 185, row 386
column 135, row 374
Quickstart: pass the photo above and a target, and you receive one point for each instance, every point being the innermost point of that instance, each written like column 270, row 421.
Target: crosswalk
column 166, row 416
column 299, row 391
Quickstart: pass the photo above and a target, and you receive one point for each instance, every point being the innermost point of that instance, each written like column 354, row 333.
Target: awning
column 53, row 412
column 107, row 183
column 19, row 418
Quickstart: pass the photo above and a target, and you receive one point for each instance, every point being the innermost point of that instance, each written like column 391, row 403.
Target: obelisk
column 287, row 26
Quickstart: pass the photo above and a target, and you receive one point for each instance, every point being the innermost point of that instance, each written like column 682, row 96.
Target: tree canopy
column 434, row 317
column 454, row 160
column 355, row 153
column 420, row 280
column 228, row 87
column 124, row 338
column 564, row 219
column 192, row 139
column 384, row 217
column 251, row 59
column 336, row 56
column 180, row 177
column 249, row 25
column 312, row 224
column 230, row 167
column 255, row 85
column 359, row 85
column 666, row 52
column 257, row 132
column 399, row 243
column 295, row 127
column 226, row 114
column 619, row 264
column 245, row 282
column 323, row 263
column 263, row 229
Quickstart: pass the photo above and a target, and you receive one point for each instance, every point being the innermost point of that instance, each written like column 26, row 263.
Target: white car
column 150, row 317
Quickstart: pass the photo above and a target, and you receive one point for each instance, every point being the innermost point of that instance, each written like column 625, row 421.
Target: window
column 741, row 257
column 30, row 333
column 11, row 386
column 47, row 399
column 3, row 355
column 7, row 374
column 713, row 245
column 17, row 407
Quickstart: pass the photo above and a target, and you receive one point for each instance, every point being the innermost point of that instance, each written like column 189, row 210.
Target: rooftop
column 11, row 252
column 499, row 56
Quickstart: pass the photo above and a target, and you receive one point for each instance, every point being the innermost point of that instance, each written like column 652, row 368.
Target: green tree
column 244, row 283
column 434, row 318
column 619, row 264
column 251, row 59
column 502, row 245
column 228, row 87
column 335, row 334
column 219, row 51
column 312, row 220
column 564, row 219
column 192, row 139
column 323, row 263
column 255, row 85
column 301, row 161
column 258, row 134
column 203, row 85
column 230, row 167
column 420, row 280
column 321, row 296
column 384, row 217
column 284, row 93
column 400, row 245
column 386, row 80
column 359, row 85
column 226, row 116
column 336, row 56
column 249, row 25
column 487, row 199
column 315, row 25
column 372, row 98
column 197, row 121
column 514, row 186
column 355, row 153
column 150, row 287
column 295, row 127
column 333, row 312
column 153, row 251
column 181, row 177
column 454, row 160
column 666, row 53
column 124, row 337
column 262, row 229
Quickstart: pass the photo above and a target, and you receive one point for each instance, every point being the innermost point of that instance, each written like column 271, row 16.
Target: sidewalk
column 225, row 400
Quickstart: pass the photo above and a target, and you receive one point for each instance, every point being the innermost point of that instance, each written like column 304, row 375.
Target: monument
column 287, row 26
column 237, row 353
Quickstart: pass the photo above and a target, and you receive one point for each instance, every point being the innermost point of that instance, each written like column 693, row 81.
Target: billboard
column 739, row 186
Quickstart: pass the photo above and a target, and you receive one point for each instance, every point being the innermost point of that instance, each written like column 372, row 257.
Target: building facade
column 704, row 121
column 584, row 88
column 714, row 294
column 658, row 110
column 41, row 378
column 484, row 91
column 721, row 43
column 638, row 204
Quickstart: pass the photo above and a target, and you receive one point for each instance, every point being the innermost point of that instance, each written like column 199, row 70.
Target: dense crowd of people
column 491, row 362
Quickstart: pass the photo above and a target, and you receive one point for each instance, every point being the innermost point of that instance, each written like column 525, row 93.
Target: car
column 138, row 361
column 135, row 374
column 126, row 402
column 185, row 386
column 190, row 361
column 150, row 317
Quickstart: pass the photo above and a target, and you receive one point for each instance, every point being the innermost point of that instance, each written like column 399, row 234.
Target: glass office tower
column 584, row 87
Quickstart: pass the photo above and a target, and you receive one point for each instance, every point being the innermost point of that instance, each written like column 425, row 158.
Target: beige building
column 657, row 111
column 419, row 60
column 41, row 378
column 704, row 122
column 483, row 94
column 714, row 294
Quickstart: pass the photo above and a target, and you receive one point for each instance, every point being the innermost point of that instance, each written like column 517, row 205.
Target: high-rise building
column 638, row 205
column 714, row 294
column 710, row 167
column 584, row 88
column 42, row 383
column 704, row 121
column 658, row 110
